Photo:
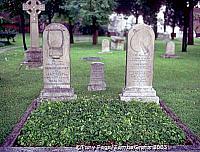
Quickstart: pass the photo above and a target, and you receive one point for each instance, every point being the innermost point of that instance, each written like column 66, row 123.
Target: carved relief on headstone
column 170, row 50
column 56, row 63
column 34, row 54
column 139, row 67
column 97, row 81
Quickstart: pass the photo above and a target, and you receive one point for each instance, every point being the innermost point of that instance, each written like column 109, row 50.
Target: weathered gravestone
column 97, row 81
column 117, row 43
column 105, row 46
column 56, row 63
column 33, row 56
column 139, row 67
column 170, row 50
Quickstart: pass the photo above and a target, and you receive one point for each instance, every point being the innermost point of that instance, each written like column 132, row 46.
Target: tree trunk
column 185, row 29
column 173, row 34
column 94, row 31
column 71, row 31
column 190, row 29
column 22, row 27
column 49, row 17
column 184, row 40
column 136, row 17
column 165, row 26
column 155, row 28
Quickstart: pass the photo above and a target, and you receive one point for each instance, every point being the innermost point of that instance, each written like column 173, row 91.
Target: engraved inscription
column 140, row 58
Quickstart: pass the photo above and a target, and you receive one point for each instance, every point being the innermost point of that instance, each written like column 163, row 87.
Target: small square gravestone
column 56, row 63
column 105, row 46
column 170, row 50
column 139, row 65
column 97, row 81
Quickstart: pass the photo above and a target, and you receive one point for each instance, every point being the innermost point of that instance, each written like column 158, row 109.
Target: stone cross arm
column 33, row 6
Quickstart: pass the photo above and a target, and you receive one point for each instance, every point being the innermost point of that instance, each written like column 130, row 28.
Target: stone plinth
column 56, row 63
column 139, row 65
column 97, row 81
column 33, row 57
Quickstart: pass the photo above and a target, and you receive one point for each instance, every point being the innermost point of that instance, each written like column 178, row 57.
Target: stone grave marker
column 56, row 63
column 97, row 81
column 91, row 58
column 139, row 65
column 33, row 56
column 170, row 50
column 105, row 46
column 117, row 43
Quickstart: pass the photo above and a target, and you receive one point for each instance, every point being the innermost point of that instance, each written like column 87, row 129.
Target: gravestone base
column 58, row 94
column 145, row 94
column 97, row 87
column 169, row 56
column 104, row 52
column 33, row 57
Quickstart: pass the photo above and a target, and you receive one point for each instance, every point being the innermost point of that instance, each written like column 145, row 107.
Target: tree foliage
column 14, row 7
column 96, row 13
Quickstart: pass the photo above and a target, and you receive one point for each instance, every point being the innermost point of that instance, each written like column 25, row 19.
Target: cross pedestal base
column 33, row 57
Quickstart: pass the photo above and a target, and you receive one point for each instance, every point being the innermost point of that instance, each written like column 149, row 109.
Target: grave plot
column 97, row 118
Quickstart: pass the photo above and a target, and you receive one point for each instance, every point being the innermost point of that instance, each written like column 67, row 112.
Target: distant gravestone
column 34, row 54
column 163, row 36
column 91, row 58
column 170, row 50
column 56, row 63
column 105, row 46
column 97, row 81
column 139, row 67
column 117, row 43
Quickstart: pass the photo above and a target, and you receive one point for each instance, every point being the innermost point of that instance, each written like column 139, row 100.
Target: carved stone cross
column 34, row 8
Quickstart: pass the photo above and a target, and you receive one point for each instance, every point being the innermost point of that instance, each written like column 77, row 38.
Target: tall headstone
column 97, row 81
column 170, row 50
column 139, row 65
column 34, row 53
column 56, row 63
column 105, row 46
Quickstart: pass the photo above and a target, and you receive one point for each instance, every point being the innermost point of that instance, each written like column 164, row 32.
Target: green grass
column 176, row 81
column 94, row 120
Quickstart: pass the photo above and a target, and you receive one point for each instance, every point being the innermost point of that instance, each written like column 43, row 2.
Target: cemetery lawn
column 176, row 81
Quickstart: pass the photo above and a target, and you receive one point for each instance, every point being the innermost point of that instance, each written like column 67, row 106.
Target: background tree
column 174, row 15
column 96, row 13
column 183, row 17
column 70, row 9
column 128, row 7
column 14, row 7
column 51, row 7
column 150, row 9
column 192, row 4
column 147, row 8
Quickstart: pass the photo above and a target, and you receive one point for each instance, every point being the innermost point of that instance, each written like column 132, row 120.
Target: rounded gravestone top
column 170, row 48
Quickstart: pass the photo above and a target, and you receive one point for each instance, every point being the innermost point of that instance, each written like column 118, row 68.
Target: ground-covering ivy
column 92, row 120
